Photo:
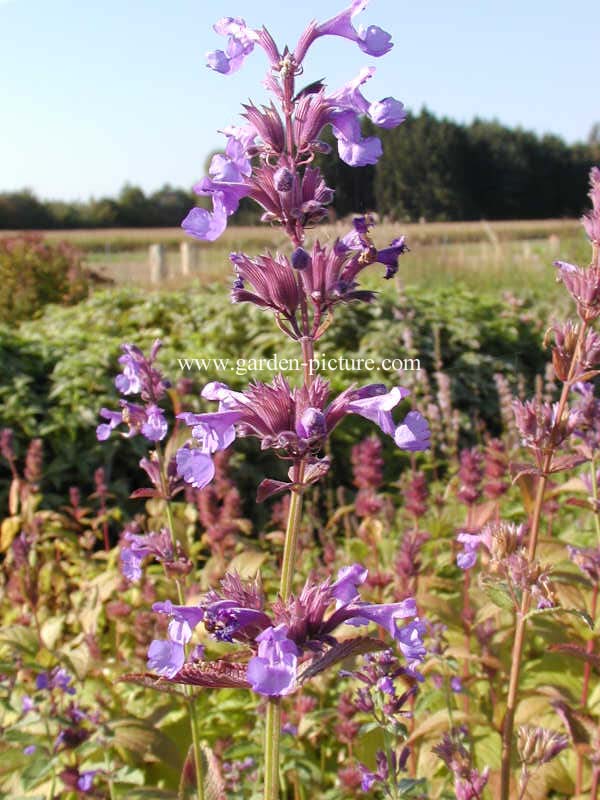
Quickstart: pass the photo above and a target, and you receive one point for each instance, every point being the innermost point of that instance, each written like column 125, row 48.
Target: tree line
column 432, row 168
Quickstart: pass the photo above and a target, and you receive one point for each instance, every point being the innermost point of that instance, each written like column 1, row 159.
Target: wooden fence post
column 158, row 263
column 188, row 252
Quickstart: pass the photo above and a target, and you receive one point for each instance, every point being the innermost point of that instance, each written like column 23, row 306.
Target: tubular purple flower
column 165, row 657
column 345, row 588
column 148, row 421
column 413, row 433
column 353, row 148
column 273, row 671
column 203, row 225
column 214, row 431
column 240, row 44
column 471, row 543
column 375, row 404
column 389, row 256
column 140, row 547
column 410, row 641
column 183, row 620
column 300, row 259
column 195, row 467
column 386, row 615
column 386, row 113
column 155, row 427
column 372, row 40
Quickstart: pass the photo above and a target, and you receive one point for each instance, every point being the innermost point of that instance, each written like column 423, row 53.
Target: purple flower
column 390, row 255
column 345, row 588
column 149, row 421
column 58, row 678
column 138, row 547
column 165, row 657
column 353, row 148
column 372, row 40
column 273, row 671
column 240, row 43
column 468, row 555
column 413, row 433
column 183, row 620
column 28, row 704
column 29, row 750
column 375, row 404
column 368, row 778
column 155, row 427
column 86, row 780
column 201, row 224
column 104, row 430
column 214, row 431
column 139, row 375
column 386, row 113
column 195, row 467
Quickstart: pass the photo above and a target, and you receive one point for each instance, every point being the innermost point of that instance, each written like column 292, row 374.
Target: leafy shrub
column 58, row 369
column 34, row 273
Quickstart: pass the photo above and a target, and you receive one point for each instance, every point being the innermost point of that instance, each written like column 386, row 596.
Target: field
column 503, row 255
column 466, row 549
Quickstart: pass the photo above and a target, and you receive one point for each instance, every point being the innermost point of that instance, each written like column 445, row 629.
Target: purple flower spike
column 165, row 657
column 372, row 40
column 273, row 671
column 195, row 467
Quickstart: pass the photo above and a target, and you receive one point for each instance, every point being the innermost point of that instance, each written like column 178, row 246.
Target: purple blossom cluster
column 263, row 157
column 293, row 422
column 139, row 376
column 294, row 639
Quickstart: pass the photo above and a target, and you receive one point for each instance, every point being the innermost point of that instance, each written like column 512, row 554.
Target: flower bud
column 311, row 424
column 300, row 259
column 283, row 180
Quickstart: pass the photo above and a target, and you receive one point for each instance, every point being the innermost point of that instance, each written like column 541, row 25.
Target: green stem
column 273, row 719
column 180, row 598
column 272, row 736
column 521, row 614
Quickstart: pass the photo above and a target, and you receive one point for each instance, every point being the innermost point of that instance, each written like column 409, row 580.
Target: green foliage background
column 58, row 370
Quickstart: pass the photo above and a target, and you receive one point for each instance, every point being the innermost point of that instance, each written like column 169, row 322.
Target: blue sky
column 100, row 93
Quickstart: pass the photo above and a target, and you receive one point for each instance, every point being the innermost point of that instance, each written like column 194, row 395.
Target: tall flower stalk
column 270, row 159
column 545, row 429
